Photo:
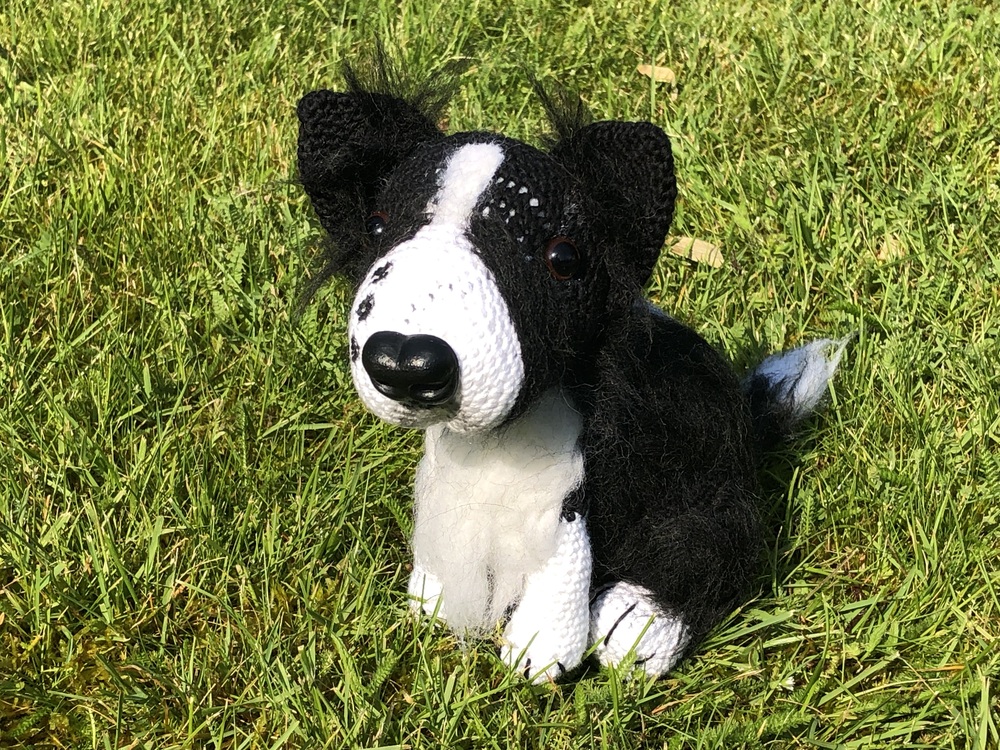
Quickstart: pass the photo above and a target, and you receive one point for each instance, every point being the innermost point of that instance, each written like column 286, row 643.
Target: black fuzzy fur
column 671, row 489
column 670, row 493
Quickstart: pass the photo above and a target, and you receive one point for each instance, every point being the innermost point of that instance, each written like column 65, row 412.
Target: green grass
column 202, row 534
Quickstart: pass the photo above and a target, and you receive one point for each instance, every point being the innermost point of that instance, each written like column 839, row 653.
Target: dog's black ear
column 348, row 144
column 626, row 170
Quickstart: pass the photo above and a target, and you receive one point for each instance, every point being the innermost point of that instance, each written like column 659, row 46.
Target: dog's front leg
column 547, row 634
column 424, row 590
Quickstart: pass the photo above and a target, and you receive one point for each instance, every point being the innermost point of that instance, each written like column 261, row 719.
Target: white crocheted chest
column 488, row 507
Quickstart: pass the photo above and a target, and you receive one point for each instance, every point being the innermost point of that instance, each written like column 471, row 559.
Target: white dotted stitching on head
column 522, row 191
column 486, row 211
column 512, row 212
column 510, row 184
column 533, row 202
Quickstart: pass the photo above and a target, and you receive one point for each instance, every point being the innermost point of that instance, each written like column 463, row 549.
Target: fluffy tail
column 787, row 387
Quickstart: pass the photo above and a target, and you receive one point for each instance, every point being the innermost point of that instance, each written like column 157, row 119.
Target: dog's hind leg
column 627, row 626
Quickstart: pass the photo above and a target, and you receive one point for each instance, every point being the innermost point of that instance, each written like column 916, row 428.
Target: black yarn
column 671, row 482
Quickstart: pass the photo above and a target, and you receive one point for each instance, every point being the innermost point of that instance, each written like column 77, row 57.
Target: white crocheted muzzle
column 435, row 284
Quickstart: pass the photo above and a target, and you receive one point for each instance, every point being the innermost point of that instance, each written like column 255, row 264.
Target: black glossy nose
column 418, row 370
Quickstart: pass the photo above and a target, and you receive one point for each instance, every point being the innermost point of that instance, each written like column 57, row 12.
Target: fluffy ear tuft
column 626, row 170
column 566, row 111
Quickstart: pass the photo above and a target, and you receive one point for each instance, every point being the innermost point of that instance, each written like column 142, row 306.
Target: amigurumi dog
column 590, row 466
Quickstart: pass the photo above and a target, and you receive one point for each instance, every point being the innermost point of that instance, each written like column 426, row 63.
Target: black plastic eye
column 562, row 258
column 375, row 223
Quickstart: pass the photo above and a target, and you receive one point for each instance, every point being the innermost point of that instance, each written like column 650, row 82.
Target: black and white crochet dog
column 589, row 474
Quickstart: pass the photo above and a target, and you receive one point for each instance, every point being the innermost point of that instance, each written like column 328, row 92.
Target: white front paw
column 542, row 655
column 547, row 634
column 424, row 590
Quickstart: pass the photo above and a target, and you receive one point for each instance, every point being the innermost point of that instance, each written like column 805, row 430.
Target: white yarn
column 801, row 377
column 467, row 173
column 547, row 634
column 424, row 591
column 437, row 286
column 488, row 506
column 626, row 624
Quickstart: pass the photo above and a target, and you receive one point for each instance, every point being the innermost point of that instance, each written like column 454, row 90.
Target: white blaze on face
column 435, row 284
column 467, row 174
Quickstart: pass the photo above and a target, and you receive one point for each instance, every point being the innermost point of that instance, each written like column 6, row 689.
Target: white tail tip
column 799, row 378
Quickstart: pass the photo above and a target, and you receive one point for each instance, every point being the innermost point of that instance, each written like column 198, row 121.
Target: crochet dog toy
column 589, row 475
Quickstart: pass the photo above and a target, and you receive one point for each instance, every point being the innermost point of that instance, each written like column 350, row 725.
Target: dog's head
column 487, row 270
